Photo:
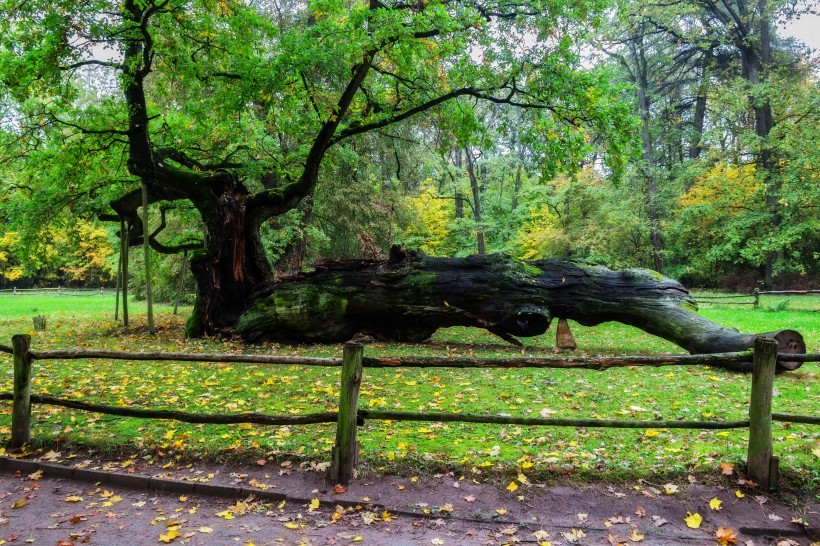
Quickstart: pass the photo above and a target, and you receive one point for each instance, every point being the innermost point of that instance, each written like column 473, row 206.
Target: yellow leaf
column 636, row 536
column 205, row 530
column 249, row 543
column 291, row 525
column 314, row 504
column 19, row 504
column 670, row 489
column 183, row 498
column 715, row 503
column 738, row 494
column 651, row 432
column 386, row 516
column 36, row 475
column 227, row 514
column 357, row 538
column 74, row 498
column 693, row 520
column 170, row 536
column 527, row 464
column 281, row 505
column 513, row 487
column 501, row 511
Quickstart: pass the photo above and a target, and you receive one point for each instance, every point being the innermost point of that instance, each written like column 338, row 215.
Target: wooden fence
column 714, row 300
column 59, row 291
column 762, row 465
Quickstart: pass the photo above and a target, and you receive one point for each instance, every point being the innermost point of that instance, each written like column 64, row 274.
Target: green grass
column 691, row 393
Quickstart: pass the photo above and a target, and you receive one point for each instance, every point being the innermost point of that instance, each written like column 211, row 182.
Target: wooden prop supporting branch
column 21, row 404
column 409, row 297
column 762, row 467
column 346, row 450
column 146, row 246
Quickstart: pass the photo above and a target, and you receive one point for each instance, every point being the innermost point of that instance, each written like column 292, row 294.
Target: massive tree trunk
column 409, row 297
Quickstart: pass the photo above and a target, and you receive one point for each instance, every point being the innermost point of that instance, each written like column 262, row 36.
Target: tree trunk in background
column 517, row 187
column 479, row 228
column 407, row 298
column 291, row 260
column 640, row 76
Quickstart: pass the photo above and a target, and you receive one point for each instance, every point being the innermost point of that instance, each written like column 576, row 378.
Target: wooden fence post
column 346, row 450
column 757, row 297
column 21, row 405
column 759, row 463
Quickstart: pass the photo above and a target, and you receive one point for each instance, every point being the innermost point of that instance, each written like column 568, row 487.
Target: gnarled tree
column 233, row 106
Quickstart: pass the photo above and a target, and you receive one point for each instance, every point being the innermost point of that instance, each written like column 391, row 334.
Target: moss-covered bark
column 409, row 297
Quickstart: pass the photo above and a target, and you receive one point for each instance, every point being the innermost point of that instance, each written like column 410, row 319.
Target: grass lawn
column 481, row 451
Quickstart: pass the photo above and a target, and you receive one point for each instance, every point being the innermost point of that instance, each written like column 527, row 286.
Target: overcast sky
column 806, row 29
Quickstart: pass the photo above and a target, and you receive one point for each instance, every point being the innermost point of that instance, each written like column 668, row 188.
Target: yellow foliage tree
column 432, row 214
column 541, row 236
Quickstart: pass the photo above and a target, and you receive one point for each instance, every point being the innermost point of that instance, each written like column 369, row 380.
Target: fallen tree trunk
column 409, row 297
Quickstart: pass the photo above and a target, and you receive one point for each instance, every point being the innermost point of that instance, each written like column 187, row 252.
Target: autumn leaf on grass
column 513, row 487
column 726, row 536
column 727, row 468
column 715, row 503
column 693, row 520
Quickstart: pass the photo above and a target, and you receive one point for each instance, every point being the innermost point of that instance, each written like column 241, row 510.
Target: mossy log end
column 409, row 297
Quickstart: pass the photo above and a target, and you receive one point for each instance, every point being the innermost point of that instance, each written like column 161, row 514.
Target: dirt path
column 71, row 501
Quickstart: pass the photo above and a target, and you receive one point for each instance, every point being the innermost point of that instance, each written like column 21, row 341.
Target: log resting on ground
column 409, row 297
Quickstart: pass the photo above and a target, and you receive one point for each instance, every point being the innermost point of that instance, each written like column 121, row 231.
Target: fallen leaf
column 339, row 489
column 715, row 503
column 738, row 494
column 74, row 498
column 169, row 536
column 726, row 536
column 727, row 468
column 775, row 517
column 574, row 536
column 513, row 487
column 19, row 504
column 36, row 475
column 640, row 512
column 437, row 541
column 205, row 530
column 470, row 498
column 693, row 520
column 659, row 521
column 314, row 504
column 670, row 489
column 501, row 511
column 636, row 536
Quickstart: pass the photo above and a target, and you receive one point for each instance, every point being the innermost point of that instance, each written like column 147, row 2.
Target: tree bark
column 408, row 297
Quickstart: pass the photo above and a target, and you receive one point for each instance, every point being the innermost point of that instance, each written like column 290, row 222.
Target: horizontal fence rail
column 348, row 417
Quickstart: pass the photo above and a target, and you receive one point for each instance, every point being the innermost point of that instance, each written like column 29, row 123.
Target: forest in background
column 713, row 178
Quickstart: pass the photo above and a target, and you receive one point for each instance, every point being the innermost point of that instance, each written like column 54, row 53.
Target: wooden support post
column 760, row 413
column 181, row 278
column 563, row 336
column 146, row 247
column 21, row 405
column 757, row 297
column 346, row 450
